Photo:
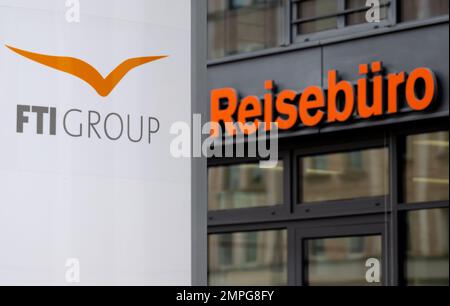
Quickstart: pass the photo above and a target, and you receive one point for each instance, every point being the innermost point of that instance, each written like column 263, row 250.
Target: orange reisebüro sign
column 374, row 95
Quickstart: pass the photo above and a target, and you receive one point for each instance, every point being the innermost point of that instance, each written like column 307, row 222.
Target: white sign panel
column 89, row 192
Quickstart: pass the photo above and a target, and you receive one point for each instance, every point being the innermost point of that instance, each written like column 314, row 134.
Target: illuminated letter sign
column 338, row 103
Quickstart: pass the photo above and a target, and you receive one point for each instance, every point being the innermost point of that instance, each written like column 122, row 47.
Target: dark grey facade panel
column 399, row 51
column 403, row 50
column 292, row 70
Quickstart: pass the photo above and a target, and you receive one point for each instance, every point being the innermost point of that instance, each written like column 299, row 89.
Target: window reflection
column 325, row 14
column 316, row 8
column 238, row 26
column 341, row 261
column 427, row 164
column 343, row 176
column 245, row 186
column 427, row 252
column 252, row 259
column 423, row 9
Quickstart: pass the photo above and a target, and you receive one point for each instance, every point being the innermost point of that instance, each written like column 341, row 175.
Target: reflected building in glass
column 340, row 176
column 341, row 261
column 248, row 259
column 239, row 26
column 427, row 248
column 427, row 164
column 244, row 186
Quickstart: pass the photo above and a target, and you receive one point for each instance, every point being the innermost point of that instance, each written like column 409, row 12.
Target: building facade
column 348, row 200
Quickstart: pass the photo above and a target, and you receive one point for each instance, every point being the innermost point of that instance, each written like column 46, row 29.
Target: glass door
column 341, row 256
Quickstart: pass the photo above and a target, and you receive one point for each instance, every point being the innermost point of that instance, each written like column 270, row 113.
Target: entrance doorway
column 342, row 254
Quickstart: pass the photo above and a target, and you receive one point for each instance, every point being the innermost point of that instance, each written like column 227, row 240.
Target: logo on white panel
column 80, row 123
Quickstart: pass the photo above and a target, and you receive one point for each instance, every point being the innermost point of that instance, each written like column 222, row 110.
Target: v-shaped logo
column 84, row 71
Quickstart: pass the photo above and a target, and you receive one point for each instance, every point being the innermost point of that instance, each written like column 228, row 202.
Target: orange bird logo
column 84, row 71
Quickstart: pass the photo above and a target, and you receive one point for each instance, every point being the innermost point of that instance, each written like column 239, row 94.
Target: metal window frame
column 403, row 234
column 401, row 208
column 320, row 228
column 373, row 228
column 257, row 227
column 337, row 213
column 402, row 203
column 254, row 214
column 341, row 28
column 337, row 207
column 289, row 42
column 230, row 11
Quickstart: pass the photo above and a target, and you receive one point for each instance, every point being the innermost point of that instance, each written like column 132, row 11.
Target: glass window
column 422, row 9
column 321, row 15
column 427, row 251
column 360, row 16
column 256, row 259
column 225, row 254
column 238, row 26
column 427, row 164
column 251, row 253
column 341, row 261
column 343, row 176
column 244, row 186
column 316, row 8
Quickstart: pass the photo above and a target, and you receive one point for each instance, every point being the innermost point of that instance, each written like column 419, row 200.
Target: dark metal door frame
column 340, row 229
